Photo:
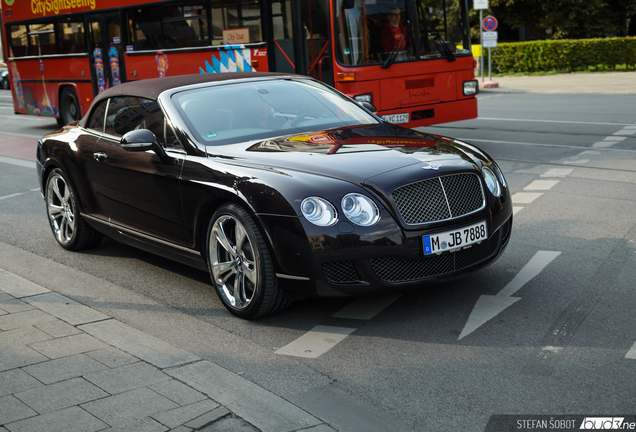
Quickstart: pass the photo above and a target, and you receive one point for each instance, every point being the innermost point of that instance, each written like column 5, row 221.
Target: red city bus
column 411, row 59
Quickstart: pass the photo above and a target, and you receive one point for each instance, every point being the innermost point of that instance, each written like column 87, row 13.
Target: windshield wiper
column 440, row 42
column 391, row 58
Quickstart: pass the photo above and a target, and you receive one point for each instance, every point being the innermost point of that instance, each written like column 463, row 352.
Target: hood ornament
column 431, row 166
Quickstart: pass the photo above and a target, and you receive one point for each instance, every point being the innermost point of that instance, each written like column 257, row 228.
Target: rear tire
column 240, row 265
column 69, row 107
column 69, row 229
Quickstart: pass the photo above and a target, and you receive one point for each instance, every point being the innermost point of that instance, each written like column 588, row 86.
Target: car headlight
column 491, row 181
column 500, row 175
column 360, row 210
column 319, row 211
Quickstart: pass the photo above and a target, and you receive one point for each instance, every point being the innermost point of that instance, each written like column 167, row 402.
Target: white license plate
column 396, row 118
column 456, row 239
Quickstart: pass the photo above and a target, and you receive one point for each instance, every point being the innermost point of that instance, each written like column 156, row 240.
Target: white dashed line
column 541, row 185
column 525, row 197
column 558, row 172
column 316, row 342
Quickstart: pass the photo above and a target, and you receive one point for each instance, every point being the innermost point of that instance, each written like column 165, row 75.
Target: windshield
column 390, row 31
column 223, row 114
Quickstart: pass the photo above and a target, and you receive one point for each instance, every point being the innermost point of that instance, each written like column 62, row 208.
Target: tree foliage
column 566, row 19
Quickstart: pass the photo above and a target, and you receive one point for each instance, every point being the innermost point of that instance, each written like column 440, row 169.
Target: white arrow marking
column 489, row 306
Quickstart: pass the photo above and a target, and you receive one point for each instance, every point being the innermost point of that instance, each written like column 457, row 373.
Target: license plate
column 455, row 239
column 396, row 118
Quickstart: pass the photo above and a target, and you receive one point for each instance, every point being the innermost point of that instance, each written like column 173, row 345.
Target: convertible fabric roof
column 152, row 88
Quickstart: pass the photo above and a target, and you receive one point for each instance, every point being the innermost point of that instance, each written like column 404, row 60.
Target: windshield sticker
column 210, row 135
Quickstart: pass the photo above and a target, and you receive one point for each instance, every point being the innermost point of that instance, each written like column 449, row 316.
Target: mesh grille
column 405, row 270
column 439, row 198
column 339, row 272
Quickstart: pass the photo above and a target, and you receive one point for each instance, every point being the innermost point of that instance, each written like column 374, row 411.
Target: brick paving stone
column 112, row 357
column 17, row 356
column 126, row 378
column 178, row 392
column 16, row 381
column 61, row 395
column 22, row 336
column 230, row 424
column 19, row 287
column 65, row 308
column 207, row 418
column 58, row 328
column 13, row 409
column 67, row 346
column 64, row 368
column 24, row 319
column 73, row 419
column 13, row 305
column 124, row 407
column 181, row 415
column 145, row 424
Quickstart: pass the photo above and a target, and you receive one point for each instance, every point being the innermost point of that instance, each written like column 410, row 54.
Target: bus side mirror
column 348, row 4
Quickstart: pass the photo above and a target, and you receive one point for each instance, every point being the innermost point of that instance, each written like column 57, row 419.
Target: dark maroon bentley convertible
column 278, row 185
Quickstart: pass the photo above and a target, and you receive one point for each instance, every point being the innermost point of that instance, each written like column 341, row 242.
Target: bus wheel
column 69, row 107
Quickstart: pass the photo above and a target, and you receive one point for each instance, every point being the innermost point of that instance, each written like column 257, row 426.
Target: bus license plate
column 396, row 118
column 456, row 239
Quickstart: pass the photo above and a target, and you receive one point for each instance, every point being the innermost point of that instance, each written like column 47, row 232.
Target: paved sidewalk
column 67, row 367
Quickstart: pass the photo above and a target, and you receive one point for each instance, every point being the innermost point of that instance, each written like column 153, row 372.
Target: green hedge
column 564, row 55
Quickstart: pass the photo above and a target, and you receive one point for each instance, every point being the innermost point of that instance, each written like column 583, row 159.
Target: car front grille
column 339, row 272
column 439, row 198
column 396, row 270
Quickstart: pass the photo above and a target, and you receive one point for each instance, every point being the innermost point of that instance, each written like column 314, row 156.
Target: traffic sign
column 490, row 23
column 480, row 4
column 491, row 35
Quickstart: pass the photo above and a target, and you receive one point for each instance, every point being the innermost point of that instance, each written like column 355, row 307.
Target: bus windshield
column 390, row 31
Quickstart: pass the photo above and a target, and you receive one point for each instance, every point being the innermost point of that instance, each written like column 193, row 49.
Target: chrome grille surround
column 440, row 198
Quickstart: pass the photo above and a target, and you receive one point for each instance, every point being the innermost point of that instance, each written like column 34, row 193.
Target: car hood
column 356, row 154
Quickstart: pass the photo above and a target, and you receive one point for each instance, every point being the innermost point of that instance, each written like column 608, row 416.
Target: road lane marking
column 316, row 342
column 541, row 185
column 577, row 161
column 516, row 210
column 525, row 197
column 625, row 132
column 558, row 172
column 631, row 354
column 18, row 194
column 365, row 308
column 489, row 306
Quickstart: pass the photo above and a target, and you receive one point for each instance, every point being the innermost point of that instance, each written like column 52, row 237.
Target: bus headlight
column 364, row 98
column 471, row 88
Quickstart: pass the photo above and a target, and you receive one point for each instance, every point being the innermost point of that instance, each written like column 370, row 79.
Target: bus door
column 300, row 40
column 106, row 53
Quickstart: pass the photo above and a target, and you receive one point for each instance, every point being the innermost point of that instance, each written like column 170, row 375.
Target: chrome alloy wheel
column 233, row 263
column 60, row 207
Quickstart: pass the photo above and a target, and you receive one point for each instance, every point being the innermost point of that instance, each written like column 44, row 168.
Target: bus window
column 145, row 28
column 228, row 22
column 71, row 35
column 18, row 40
column 185, row 26
column 42, row 39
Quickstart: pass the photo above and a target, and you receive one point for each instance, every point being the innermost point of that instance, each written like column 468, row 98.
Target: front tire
column 69, row 229
column 240, row 265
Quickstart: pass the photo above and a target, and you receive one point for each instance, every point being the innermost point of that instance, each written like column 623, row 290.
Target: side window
column 96, row 121
column 18, row 40
column 42, row 39
column 71, row 36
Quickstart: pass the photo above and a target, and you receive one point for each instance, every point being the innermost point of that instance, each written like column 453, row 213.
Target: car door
column 139, row 190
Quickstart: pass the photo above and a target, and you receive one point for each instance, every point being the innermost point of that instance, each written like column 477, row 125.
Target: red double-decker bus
column 411, row 59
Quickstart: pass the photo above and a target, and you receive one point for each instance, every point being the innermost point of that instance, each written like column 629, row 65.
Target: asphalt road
column 549, row 329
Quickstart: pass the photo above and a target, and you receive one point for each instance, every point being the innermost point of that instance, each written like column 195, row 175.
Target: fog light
column 471, row 88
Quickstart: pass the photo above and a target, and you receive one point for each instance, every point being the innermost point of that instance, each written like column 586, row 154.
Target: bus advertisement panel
column 411, row 59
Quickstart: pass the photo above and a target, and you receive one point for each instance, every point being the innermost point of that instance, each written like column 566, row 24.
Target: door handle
column 100, row 156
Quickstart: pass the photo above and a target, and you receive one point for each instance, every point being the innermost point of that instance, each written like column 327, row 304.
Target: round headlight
column 491, row 181
column 500, row 175
column 319, row 211
column 360, row 210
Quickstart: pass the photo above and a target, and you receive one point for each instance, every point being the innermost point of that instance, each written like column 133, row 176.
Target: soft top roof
column 152, row 88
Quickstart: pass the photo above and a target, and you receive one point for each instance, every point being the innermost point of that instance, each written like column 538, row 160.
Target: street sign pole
column 481, row 41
